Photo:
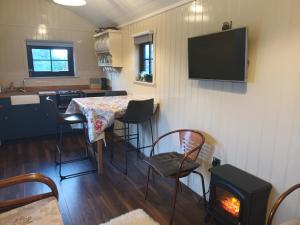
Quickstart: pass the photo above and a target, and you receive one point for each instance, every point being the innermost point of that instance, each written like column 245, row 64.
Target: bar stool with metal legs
column 62, row 120
column 137, row 112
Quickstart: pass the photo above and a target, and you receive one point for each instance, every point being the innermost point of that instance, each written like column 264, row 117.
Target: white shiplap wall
column 20, row 20
column 255, row 126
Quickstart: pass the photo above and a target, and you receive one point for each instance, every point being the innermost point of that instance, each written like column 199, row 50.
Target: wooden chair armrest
column 33, row 177
column 159, row 139
column 279, row 201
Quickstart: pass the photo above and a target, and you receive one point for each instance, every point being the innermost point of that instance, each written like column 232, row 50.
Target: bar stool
column 137, row 112
column 62, row 120
column 110, row 129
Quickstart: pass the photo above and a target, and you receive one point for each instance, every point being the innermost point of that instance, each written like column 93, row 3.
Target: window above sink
column 50, row 59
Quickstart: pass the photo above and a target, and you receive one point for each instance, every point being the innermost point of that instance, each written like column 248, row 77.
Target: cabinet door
column 24, row 121
column 47, row 120
column 4, row 118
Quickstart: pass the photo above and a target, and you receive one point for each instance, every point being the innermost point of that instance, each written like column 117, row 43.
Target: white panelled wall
column 254, row 126
column 43, row 20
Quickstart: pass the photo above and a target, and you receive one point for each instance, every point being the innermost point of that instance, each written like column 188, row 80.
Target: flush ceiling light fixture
column 71, row 2
column 196, row 7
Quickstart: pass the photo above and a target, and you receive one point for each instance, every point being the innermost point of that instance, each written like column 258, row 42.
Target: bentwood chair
column 35, row 209
column 277, row 204
column 177, row 165
column 137, row 112
column 62, row 120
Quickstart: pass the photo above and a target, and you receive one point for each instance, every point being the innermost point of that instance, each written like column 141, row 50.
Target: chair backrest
column 279, row 201
column 191, row 142
column 139, row 111
column 115, row 93
column 53, row 110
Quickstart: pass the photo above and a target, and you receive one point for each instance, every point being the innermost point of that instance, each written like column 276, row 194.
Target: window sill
column 59, row 77
column 144, row 83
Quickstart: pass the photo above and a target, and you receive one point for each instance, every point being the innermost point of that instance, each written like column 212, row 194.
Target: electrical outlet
column 216, row 162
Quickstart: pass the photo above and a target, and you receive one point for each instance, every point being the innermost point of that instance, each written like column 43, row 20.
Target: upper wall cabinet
column 108, row 46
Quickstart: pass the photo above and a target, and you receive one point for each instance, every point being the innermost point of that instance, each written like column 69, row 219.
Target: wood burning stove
column 237, row 197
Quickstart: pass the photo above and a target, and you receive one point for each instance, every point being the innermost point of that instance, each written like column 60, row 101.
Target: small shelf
column 108, row 47
column 105, row 64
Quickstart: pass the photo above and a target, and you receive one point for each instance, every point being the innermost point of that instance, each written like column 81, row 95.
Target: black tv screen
column 219, row 56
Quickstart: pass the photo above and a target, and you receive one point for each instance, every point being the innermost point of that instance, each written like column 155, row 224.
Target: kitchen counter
column 93, row 91
column 49, row 90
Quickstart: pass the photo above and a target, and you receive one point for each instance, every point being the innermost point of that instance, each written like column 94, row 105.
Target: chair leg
column 151, row 131
column 60, row 151
column 180, row 186
column 126, row 149
column 112, row 146
column 174, row 201
column 85, row 139
column 137, row 142
column 56, row 144
column 203, row 188
column 147, row 185
column 127, row 134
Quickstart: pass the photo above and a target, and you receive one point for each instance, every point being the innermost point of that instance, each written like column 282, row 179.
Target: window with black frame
column 50, row 59
column 144, row 43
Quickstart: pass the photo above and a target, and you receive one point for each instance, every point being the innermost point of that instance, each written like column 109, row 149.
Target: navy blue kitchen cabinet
column 4, row 117
column 25, row 121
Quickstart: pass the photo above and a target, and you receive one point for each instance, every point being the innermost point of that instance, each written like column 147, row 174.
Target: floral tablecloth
column 101, row 112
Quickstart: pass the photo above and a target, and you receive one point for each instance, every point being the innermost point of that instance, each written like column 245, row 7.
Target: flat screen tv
column 219, row 56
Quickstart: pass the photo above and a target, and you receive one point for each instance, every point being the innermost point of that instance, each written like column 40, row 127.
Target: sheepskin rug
column 135, row 217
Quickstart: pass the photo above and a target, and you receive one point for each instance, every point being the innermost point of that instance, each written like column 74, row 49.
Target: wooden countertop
column 36, row 90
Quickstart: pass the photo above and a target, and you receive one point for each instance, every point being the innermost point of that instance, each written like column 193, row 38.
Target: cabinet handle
column 6, row 118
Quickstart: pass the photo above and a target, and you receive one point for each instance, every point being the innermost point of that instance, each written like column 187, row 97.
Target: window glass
column 147, row 51
column 40, row 54
column 59, row 66
column 145, row 62
column 42, row 66
column 59, row 54
column 147, row 67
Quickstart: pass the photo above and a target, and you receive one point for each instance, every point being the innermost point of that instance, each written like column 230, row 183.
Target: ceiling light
column 196, row 7
column 71, row 2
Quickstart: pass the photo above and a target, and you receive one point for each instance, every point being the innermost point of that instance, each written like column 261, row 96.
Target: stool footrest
column 62, row 177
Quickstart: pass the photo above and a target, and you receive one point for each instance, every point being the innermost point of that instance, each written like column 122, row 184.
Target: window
column 145, row 56
column 50, row 59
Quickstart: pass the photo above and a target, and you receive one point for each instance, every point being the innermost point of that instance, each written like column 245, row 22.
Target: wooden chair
column 36, row 209
column 175, row 165
column 279, row 201
column 33, row 177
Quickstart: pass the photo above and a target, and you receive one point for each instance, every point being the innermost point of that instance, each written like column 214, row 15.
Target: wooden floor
column 93, row 199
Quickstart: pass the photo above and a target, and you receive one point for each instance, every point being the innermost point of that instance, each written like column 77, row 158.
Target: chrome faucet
column 24, row 86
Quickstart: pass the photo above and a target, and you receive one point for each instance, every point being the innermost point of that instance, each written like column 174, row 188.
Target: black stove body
column 237, row 197
column 64, row 97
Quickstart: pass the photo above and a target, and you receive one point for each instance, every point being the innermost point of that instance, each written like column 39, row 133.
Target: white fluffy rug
column 135, row 217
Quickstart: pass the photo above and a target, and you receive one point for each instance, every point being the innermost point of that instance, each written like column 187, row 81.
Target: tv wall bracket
column 227, row 25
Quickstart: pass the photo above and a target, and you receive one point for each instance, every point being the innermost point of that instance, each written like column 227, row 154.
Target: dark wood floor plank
column 93, row 199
